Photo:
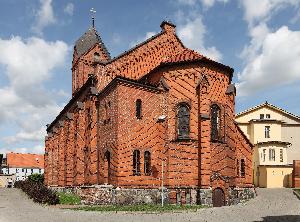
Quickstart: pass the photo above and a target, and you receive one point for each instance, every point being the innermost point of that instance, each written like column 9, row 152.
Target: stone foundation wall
column 238, row 195
column 108, row 195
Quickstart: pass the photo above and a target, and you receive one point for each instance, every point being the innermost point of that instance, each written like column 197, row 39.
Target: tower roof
column 88, row 40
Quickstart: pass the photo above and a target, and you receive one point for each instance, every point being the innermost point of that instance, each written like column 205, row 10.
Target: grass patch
column 68, row 198
column 141, row 208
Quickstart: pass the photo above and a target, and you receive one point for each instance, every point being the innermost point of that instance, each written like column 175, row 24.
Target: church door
column 218, row 197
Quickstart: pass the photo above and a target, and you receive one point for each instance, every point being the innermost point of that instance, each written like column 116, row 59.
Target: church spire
column 93, row 12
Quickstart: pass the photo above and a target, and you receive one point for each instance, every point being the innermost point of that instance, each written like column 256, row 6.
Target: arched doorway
column 218, row 197
column 107, row 167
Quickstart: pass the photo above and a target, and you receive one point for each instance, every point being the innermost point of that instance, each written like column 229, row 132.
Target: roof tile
column 25, row 160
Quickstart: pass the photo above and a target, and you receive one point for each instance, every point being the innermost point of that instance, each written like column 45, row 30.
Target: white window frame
column 267, row 131
column 272, row 154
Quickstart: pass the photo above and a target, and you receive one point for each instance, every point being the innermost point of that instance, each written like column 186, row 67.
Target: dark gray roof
column 87, row 41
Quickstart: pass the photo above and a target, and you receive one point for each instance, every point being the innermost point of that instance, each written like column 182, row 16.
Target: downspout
column 98, row 141
column 198, row 90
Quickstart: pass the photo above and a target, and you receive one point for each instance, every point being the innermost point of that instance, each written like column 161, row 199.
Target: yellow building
column 276, row 136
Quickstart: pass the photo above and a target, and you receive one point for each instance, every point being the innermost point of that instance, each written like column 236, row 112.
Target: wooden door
column 218, row 197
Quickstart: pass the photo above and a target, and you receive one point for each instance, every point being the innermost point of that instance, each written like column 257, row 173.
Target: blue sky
column 260, row 39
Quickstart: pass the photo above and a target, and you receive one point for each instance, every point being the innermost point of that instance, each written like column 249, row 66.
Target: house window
column 267, row 131
column 183, row 121
column 268, row 116
column 242, row 167
column 136, row 162
column 272, row 154
column 17, row 170
column 147, row 163
column 31, row 170
column 40, row 171
column 215, row 122
column 22, row 170
column 264, row 155
column 281, row 155
column 138, row 106
column 261, row 116
column 237, row 168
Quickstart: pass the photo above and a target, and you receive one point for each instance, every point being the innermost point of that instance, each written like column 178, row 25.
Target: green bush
column 37, row 178
column 68, row 198
column 38, row 192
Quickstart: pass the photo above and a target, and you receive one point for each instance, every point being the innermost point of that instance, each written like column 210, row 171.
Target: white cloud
column 270, row 57
column 69, row 9
column 275, row 65
column 44, row 17
column 210, row 3
column 258, row 35
column 205, row 3
column 25, row 102
column 37, row 149
column 35, row 54
column 258, row 10
column 192, row 33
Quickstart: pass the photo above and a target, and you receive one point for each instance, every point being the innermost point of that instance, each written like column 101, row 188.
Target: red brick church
column 157, row 107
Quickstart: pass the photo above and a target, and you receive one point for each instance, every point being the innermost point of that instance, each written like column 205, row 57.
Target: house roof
column 274, row 142
column 87, row 41
column 266, row 104
column 25, row 160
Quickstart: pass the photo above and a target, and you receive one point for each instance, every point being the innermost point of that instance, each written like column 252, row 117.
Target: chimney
column 168, row 26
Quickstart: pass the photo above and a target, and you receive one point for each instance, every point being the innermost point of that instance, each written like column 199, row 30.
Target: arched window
column 215, row 122
column 183, row 121
column 147, row 163
column 138, row 107
column 136, row 162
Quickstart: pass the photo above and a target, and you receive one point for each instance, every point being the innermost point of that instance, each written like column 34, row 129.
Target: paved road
column 271, row 205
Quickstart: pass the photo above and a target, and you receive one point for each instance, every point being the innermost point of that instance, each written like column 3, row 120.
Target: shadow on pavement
column 288, row 218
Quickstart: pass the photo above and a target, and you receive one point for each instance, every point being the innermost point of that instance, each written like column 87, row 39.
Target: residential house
column 275, row 133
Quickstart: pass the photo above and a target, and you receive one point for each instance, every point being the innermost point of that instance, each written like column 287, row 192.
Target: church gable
column 144, row 57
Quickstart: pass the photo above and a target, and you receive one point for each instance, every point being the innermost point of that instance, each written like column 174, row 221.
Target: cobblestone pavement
column 271, row 205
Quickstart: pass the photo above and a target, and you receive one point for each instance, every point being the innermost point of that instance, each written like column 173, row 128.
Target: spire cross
column 93, row 12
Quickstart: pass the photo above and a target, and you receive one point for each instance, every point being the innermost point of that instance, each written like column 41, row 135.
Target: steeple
column 89, row 40
column 88, row 49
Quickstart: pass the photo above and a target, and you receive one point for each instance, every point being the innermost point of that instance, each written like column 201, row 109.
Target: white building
column 23, row 164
